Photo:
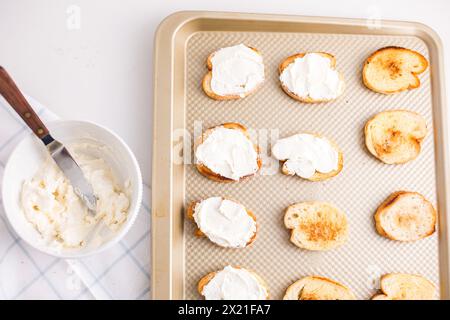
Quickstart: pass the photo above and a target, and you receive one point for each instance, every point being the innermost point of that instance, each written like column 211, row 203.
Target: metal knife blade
column 62, row 157
column 72, row 171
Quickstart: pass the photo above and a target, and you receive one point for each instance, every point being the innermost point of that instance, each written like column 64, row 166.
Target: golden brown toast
column 380, row 296
column 395, row 136
column 316, row 225
column 402, row 286
column 317, row 288
column 405, row 216
column 393, row 69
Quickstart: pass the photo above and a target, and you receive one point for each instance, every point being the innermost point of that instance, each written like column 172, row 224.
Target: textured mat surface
column 362, row 185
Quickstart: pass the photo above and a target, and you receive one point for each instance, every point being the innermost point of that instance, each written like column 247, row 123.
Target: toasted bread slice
column 317, row 288
column 207, row 278
column 395, row 136
column 204, row 170
column 206, row 82
column 405, row 216
column 290, row 60
column 320, row 176
column 393, row 69
column 316, row 225
column 380, row 296
column 190, row 215
column 402, row 286
column 204, row 281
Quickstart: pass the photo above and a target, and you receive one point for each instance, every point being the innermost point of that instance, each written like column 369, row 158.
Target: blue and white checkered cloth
column 121, row 272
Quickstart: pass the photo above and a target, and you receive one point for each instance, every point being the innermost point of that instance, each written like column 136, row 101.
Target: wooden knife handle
column 15, row 98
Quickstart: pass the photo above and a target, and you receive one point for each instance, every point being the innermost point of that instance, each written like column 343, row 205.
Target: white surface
column 29, row 155
column 102, row 71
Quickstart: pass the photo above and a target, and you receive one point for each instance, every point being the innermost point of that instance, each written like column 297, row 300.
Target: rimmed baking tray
column 182, row 110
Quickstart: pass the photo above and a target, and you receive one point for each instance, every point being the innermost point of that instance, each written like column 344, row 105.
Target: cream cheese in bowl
column 42, row 206
column 49, row 201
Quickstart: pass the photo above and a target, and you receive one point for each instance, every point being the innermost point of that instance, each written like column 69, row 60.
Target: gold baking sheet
column 181, row 259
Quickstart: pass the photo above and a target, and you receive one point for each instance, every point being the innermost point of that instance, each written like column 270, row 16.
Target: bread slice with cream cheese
column 393, row 69
column 208, row 172
column 316, row 225
column 292, row 162
column 243, row 59
column 405, row 216
column 403, row 286
column 253, row 281
column 191, row 210
column 395, row 136
column 317, row 288
column 325, row 82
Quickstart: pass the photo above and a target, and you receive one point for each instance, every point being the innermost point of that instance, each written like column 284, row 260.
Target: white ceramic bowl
column 30, row 153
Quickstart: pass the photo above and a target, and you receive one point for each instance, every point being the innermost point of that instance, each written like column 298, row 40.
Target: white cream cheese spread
column 234, row 284
column 312, row 77
column 51, row 205
column 304, row 154
column 229, row 153
column 236, row 70
column 224, row 222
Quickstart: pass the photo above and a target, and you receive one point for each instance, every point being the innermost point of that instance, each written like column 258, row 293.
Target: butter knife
column 59, row 153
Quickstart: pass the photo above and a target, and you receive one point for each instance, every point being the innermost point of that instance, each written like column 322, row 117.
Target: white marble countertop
column 92, row 59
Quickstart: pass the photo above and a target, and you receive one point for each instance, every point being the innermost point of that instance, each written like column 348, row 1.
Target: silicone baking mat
column 358, row 190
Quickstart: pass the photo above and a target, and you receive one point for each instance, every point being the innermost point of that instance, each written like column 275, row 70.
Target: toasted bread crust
column 384, row 205
column 387, row 204
column 319, row 176
column 392, row 65
column 206, row 82
column 207, row 278
column 413, row 287
column 316, row 225
column 204, row 281
column 190, row 215
column 290, row 60
column 205, row 171
column 380, row 296
column 382, row 150
column 296, row 290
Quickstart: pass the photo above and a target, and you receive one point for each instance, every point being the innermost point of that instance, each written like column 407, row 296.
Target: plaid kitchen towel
column 121, row 272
